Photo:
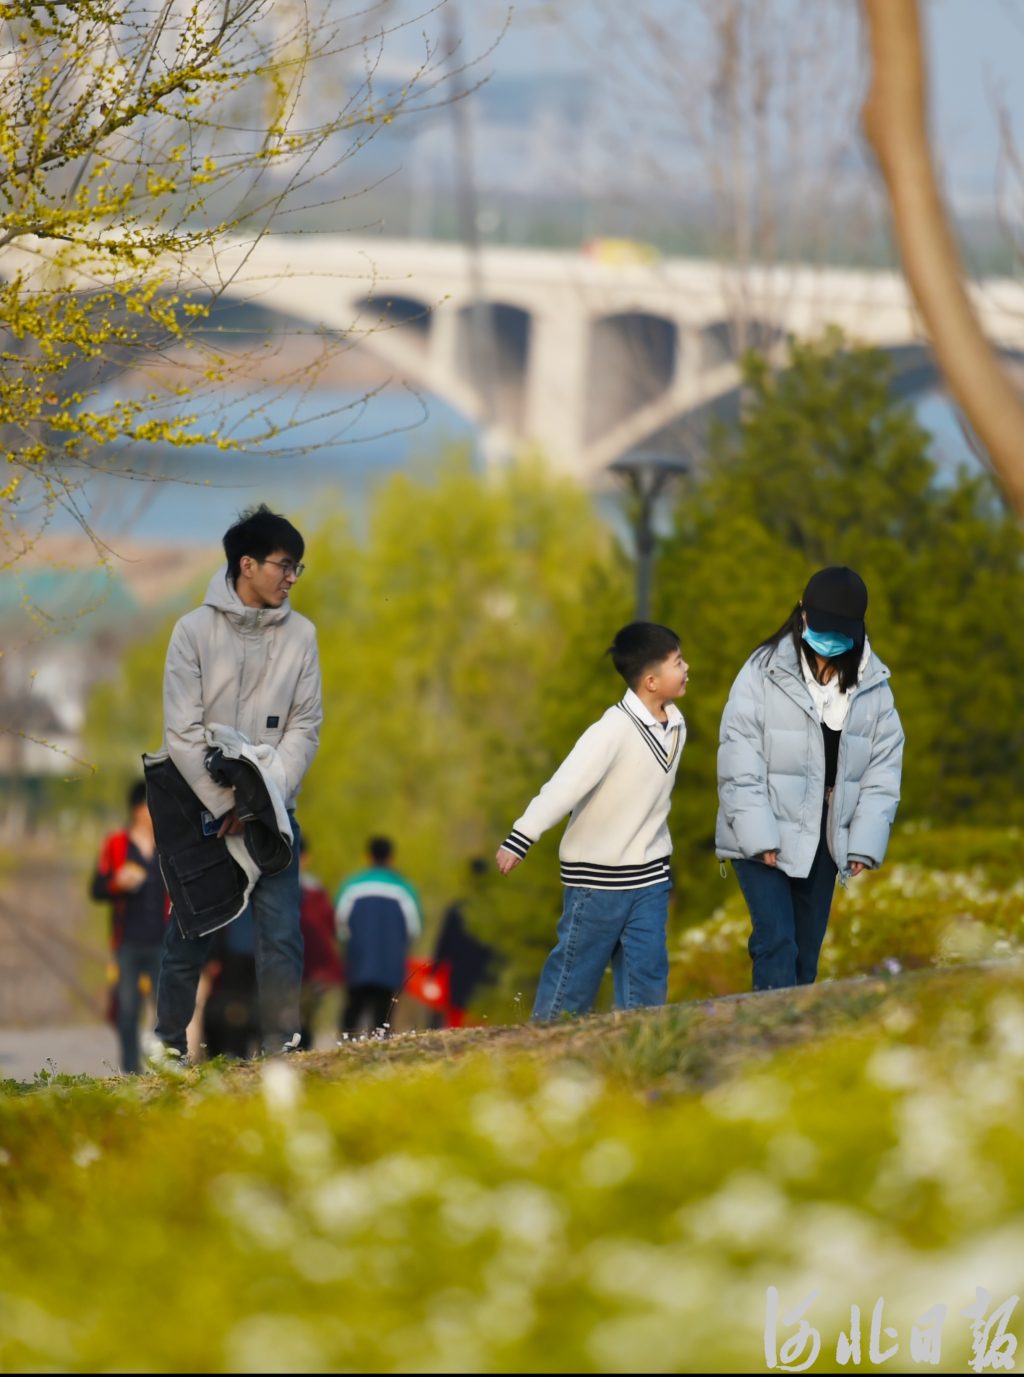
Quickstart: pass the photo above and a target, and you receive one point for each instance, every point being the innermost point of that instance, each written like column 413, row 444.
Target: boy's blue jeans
column 788, row 918
column 275, row 910
column 623, row 926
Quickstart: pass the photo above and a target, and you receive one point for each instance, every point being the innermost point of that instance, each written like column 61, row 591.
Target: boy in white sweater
column 617, row 784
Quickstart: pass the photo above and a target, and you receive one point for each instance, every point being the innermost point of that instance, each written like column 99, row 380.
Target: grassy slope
column 611, row 1195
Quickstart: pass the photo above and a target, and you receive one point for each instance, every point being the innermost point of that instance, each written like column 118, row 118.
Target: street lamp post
column 647, row 472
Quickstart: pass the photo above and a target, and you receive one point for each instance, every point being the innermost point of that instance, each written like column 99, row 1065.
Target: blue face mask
column 827, row 643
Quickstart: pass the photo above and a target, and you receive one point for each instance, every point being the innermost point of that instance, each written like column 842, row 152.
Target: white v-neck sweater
column 617, row 784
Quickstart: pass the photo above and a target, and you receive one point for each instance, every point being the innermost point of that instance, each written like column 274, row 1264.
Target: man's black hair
column 259, row 532
column 640, row 647
column 137, row 794
column 381, row 850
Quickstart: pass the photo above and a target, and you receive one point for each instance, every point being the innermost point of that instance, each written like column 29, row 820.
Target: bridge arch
column 631, row 362
column 724, row 341
column 492, row 351
column 410, row 318
column 914, row 375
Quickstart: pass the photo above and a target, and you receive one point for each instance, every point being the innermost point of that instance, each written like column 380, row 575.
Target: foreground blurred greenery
column 615, row 1195
column 462, row 641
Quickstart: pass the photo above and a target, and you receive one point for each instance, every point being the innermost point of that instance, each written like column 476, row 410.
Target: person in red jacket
column 127, row 876
column 322, row 969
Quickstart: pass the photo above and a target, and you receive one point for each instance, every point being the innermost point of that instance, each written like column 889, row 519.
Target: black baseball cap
column 836, row 599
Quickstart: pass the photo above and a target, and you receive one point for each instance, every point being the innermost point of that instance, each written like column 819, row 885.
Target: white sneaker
column 293, row 1044
column 166, row 1060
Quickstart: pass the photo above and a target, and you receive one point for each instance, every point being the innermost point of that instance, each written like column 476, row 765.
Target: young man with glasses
column 244, row 659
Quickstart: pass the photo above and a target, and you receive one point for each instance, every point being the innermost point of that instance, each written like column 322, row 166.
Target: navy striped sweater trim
column 518, row 843
column 588, row 875
column 654, row 741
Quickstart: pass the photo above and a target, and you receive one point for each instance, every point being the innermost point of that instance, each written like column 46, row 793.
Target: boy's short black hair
column 137, row 794
column 259, row 532
column 640, row 646
column 381, row 849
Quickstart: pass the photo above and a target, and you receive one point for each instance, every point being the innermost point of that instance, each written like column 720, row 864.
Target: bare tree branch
column 895, row 124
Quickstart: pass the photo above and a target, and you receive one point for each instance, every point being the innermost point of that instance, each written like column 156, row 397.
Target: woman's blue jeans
column 623, row 926
column 788, row 918
column 275, row 910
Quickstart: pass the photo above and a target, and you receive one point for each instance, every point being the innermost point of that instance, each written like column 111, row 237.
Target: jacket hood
column 221, row 594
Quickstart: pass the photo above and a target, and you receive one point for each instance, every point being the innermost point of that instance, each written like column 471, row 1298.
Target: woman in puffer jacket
column 809, row 762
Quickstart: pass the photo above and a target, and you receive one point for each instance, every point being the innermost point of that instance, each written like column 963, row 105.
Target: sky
column 975, row 53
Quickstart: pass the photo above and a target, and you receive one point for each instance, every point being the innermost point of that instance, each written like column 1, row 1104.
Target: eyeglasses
column 286, row 568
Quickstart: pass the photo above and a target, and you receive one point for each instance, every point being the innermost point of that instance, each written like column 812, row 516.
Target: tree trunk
column 894, row 118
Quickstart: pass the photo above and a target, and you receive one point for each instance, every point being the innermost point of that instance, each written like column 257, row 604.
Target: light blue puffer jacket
column 771, row 768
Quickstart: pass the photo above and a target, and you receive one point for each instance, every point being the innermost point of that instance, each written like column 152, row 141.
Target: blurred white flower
column 527, row 1213
column 85, row 1154
column 792, row 1156
column 896, row 1068
column 281, row 1084
column 761, row 1098
column 1006, row 1024
column 747, row 1210
column 274, row 1343
column 564, row 1099
column 607, row 1164
column 504, row 1123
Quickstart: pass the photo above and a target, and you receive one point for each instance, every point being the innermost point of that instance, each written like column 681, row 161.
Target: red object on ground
column 427, row 983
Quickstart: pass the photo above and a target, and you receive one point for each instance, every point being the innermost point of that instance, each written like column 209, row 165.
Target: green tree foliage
column 824, row 468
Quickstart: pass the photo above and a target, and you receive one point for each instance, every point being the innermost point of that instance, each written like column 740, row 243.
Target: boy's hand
column 770, row 857
column 129, row 877
column 507, row 860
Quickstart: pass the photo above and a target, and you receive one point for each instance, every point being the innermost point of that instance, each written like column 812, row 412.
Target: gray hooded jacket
column 771, row 768
column 254, row 669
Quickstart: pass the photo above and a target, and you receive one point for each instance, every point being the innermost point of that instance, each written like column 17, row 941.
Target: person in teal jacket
column 809, row 763
column 377, row 913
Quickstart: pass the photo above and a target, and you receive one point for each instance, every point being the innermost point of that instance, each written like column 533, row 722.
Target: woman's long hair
column 846, row 665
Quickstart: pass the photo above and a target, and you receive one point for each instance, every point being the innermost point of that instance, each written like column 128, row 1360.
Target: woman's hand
column 770, row 857
column 856, row 867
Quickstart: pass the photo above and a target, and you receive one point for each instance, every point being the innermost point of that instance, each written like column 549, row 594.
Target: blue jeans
column 275, row 911
column 788, row 918
column 134, row 960
column 624, row 926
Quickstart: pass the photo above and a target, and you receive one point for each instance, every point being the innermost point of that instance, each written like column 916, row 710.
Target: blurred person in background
column 322, row 970
column 378, row 917
column 230, row 1012
column 461, row 959
column 128, row 877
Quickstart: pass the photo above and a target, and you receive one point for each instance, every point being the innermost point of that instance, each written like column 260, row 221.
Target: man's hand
column 507, row 860
column 231, row 826
column 856, row 867
column 770, row 857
